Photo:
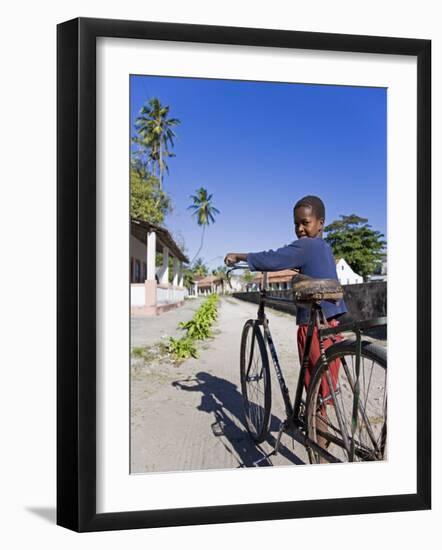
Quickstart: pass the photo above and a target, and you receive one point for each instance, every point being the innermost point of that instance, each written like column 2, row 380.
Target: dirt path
column 190, row 417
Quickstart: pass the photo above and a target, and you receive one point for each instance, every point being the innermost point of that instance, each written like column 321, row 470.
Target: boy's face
column 306, row 223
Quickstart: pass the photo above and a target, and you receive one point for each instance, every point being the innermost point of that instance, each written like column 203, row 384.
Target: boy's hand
column 231, row 258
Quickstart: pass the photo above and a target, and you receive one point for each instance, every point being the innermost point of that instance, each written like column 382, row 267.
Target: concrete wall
column 170, row 295
column 364, row 301
column 137, row 295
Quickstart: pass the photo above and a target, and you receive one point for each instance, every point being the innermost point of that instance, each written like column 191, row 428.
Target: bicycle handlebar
column 238, row 265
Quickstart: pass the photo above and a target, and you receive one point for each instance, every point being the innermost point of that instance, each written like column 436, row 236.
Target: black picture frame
column 76, row 274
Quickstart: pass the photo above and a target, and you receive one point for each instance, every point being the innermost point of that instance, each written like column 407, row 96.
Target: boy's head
column 309, row 217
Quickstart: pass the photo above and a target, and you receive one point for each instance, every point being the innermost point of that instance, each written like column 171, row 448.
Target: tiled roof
column 283, row 276
column 207, row 281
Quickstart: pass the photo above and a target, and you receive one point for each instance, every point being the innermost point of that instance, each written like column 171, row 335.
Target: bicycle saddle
column 309, row 289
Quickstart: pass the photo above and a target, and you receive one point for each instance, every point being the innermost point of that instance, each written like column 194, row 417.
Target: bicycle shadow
column 221, row 399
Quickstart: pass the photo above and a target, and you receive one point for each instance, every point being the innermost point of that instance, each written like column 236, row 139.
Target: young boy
column 312, row 256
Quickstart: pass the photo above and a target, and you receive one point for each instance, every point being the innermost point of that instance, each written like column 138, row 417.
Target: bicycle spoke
column 331, row 423
column 362, row 411
column 254, row 382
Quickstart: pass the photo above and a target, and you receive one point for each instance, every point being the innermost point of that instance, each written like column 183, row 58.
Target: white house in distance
column 151, row 293
column 380, row 273
column 345, row 273
column 205, row 285
column 276, row 280
column 211, row 284
column 281, row 280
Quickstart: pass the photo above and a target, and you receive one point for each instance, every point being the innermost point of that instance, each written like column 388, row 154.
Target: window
column 137, row 271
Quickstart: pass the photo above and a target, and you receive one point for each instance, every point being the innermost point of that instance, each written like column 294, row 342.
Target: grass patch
column 149, row 353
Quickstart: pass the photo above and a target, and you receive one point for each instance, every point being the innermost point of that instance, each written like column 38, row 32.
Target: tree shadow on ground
column 224, row 402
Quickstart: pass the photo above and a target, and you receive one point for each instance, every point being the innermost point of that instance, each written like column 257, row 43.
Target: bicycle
column 350, row 423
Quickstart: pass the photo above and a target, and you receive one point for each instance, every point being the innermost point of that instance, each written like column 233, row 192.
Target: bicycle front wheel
column 351, row 425
column 255, row 381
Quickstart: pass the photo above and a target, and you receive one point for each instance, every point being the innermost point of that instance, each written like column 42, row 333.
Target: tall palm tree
column 199, row 268
column 156, row 135
column 203, row 211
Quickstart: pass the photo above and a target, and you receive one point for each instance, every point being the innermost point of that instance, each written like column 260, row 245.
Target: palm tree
column 204, row 212
column 156, row 134
column 199, row 268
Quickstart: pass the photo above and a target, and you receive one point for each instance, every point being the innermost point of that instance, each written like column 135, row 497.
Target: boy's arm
column 287, row 257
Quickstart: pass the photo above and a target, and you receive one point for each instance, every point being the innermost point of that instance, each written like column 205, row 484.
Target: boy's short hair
column 315, row 203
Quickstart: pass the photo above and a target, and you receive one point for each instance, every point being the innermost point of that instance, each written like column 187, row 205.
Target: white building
column 380, row 273
column 237, row 284
column 345, row 273
column 276, row 280
column 152, row 290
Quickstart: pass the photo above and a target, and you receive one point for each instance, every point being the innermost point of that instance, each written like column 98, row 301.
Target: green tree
column 155, row 136
column 203, row 211
column 147, row 201
column 196, row 269
column 353, row 239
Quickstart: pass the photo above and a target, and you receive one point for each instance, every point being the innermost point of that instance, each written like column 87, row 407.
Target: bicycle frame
column 294, row 422
column 292, row 410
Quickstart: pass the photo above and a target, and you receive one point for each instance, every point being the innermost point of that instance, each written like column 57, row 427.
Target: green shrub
column 182, row 348
column 198, row 328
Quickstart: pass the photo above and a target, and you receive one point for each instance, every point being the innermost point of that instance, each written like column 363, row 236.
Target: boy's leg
column 313, row 359
column 315, row 353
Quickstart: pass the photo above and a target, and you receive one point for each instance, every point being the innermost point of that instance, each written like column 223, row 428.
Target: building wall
column 137, row 249
column 346, row 275
column 137, row 254
column 137, row 295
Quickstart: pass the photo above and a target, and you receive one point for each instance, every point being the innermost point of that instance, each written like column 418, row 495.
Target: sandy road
column 190, row 417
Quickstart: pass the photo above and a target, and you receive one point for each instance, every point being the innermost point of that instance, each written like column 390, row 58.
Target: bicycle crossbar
column 354, row 325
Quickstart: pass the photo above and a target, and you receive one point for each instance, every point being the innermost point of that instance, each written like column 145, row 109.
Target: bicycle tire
column 367, row 436
column 255, row 381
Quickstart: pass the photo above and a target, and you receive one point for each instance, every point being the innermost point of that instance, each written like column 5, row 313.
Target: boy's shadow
column 221, row 399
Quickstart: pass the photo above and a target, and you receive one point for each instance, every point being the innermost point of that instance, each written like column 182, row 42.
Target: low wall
column 137, row 294
column 170, row 294
column 363, row 301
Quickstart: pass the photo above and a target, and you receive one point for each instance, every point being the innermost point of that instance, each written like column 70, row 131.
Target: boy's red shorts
column 315, row 354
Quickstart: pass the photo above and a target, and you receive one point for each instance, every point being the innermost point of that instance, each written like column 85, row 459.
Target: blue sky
column 258, row 147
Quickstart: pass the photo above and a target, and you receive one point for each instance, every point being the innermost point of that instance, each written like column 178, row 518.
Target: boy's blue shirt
column 313, row 257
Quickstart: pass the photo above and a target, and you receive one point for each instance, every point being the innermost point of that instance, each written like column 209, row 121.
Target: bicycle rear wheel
column 255, row 381
column 351, row 429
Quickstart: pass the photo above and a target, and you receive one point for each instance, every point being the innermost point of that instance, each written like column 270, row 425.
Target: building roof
column 207, row 281
column 140, row 228
column 283, row 276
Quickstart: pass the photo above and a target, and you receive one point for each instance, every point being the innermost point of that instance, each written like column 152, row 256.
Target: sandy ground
column 190, row 417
